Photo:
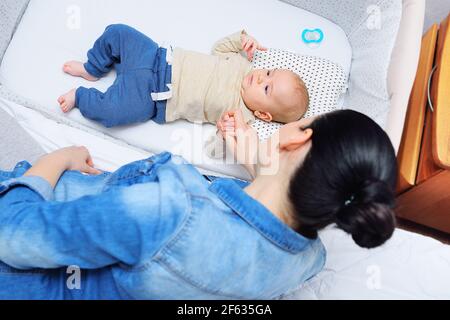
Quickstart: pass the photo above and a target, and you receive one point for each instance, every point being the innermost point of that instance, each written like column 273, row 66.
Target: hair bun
column 375, row 191
column 369, row 216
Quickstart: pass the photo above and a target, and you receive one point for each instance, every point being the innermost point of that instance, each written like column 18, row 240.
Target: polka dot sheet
column 326, row 82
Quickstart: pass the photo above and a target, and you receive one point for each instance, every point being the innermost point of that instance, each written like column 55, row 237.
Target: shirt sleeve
column 231, row 44
column 124, row 225
column 42, row 189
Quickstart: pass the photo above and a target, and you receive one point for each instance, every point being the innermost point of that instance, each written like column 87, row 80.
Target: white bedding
column 53, row 31
column 409, row 266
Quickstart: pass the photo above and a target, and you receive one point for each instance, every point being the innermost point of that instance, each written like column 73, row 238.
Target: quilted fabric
column 11, row 12
column 371, row 27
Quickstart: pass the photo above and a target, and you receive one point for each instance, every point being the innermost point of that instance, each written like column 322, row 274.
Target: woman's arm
column 123, row 225
column 50, row 167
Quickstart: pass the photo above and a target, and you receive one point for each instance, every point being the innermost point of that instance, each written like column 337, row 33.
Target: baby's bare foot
column 67, row 101
column 76, row 69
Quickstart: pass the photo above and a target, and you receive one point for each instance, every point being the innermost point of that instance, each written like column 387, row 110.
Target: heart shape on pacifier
column 310, row 36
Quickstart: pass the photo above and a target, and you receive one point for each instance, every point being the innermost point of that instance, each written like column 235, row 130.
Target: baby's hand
column 241, row 139
column 226, row 125
column 250, row 45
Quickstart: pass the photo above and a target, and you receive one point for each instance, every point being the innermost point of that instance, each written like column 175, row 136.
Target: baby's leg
column 122, row 46
column 119, row 44
column 77, row 69
column 127, row 101
column 67, row 101
column 101, row 58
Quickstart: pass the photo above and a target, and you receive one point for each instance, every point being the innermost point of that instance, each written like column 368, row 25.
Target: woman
column 158, row 229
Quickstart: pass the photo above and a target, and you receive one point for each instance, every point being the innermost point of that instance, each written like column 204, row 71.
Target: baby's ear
column 264, row 116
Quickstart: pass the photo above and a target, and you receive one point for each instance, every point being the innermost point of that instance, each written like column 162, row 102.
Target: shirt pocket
column 134, row 173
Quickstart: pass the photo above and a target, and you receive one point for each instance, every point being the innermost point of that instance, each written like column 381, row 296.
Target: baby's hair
column 301, row 86
column 301, row 104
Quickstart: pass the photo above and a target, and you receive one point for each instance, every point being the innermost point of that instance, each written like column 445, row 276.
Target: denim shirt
column 154, row 229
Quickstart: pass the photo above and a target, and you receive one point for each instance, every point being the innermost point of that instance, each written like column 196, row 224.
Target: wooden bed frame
column 424, row 154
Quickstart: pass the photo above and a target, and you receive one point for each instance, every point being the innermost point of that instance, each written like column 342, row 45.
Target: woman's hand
column 250, row 45
column 227, row 125
column 51, row 166
column 77, row 159
column 241, row 139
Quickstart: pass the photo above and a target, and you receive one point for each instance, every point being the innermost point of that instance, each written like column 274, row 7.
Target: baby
column 155, row 83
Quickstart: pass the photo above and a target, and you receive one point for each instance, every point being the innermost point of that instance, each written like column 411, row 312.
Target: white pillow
column 326, row 82
column 372, row 29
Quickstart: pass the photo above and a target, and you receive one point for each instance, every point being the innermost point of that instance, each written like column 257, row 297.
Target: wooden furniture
column 424, row 155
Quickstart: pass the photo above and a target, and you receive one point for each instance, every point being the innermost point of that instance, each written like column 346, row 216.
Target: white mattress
column 108, row 153
column 54, row 31
column 409, row 266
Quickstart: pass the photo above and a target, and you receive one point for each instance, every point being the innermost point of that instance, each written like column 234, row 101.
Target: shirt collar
column 259, row 217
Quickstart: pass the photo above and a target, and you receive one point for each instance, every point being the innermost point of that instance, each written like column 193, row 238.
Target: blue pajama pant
column 141, row 68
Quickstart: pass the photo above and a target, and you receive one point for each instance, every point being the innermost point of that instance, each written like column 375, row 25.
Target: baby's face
column 270, row 91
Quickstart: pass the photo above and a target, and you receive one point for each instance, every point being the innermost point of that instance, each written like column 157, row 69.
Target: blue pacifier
column 312, row 37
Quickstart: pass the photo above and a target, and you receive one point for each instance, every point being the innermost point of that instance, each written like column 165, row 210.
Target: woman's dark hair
column 347, row 178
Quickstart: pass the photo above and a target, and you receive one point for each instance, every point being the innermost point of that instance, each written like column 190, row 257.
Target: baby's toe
column 63, row 105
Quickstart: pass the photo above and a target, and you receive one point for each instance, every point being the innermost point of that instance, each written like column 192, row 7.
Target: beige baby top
column 205, row 86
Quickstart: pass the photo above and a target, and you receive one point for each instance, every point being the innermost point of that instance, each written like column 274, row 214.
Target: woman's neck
column 272, row 192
